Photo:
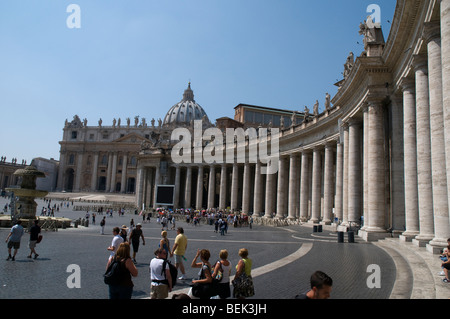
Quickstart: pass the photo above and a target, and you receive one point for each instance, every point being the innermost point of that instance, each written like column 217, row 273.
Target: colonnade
column 425, row 131
column 315, row 184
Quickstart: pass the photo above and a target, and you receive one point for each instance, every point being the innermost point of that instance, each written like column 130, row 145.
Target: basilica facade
column 377, row 156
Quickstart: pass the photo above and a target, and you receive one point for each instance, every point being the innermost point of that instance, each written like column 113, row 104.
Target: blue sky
column 136, row 57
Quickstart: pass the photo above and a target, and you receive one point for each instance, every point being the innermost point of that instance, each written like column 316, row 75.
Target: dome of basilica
column 186, row 110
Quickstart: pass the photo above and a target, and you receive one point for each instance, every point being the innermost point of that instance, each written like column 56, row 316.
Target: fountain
column 25, row 206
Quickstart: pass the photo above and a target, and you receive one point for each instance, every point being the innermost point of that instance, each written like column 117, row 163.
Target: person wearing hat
column 124, row 232
column 135, row 235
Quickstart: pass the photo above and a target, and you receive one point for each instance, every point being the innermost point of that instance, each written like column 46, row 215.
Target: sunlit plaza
column 355, row 185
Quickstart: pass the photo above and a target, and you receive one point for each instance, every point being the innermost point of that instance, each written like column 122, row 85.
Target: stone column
column 365, row 166
column 281, row 188
column 157, row 182
column 354, row 172
column 61, row 171
column 212, row 187
column 246, row 189
column 113, row 173
column 316, row 185
column 376, row 204
column 78, row 171
column 199, row 201
column 176, row 201
column 123, row 182
column 345, row 177
column 258, row 191
column 293, row 186
column 140, row 187
column 328, row 184
column 234, row 187
column 188, row 188
column 439, row 172
column 223, row 187
column 410, row 160
column 423, row 136
column 148, row 187
column 304, row 187
column 445, row 59
column 94, row 174
column 339, row 181
column 397, row 167
column 108, row 173
column 270, row 195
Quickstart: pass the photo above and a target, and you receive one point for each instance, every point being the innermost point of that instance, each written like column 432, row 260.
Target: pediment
column 131, row 138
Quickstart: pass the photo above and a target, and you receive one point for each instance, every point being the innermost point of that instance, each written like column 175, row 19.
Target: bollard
column 315, row 228
column 319, row 228
column 351, row 237
column 340, row 236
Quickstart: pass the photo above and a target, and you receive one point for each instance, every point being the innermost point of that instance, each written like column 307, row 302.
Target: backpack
column 112, row 275
column 173, row 271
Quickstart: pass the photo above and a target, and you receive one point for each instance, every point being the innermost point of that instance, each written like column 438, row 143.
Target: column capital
column 354, row 122
column 408, row 84
column 374, row 101
column 431, row 31
column 294, row 155
column 331, row 145
column 344, row 125
column 420, row 62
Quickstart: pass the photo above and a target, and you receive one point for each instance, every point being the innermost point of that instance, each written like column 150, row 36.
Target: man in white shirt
column 117, row 240
column 161, row 279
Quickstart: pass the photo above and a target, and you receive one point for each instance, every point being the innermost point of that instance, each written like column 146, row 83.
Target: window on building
column 74, row 135
column 258, row 117
column 248, row 116
column 71, row 159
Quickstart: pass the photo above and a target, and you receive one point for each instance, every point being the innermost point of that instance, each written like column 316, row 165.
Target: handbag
column 243, row 286
column 204, row 291
column 39, row 239
column 219, row 276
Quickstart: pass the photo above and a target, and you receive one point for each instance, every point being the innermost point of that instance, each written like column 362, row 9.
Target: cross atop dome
column 188, row 94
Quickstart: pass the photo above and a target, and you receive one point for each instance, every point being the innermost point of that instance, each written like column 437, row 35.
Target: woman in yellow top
column 243, row 282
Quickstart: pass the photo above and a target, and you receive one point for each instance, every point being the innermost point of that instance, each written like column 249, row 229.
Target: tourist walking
column 117, row 240
column 35, row 230
column 178, row 250
column 13, row 239
column 221, row 273
column 124, row 232
column 243, row 281
column 124, row 288
column 164, row 242
column 135, row 236
column 160, row 275
column 102, row 225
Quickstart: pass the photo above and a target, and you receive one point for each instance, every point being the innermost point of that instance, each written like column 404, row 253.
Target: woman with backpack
column 120, row 283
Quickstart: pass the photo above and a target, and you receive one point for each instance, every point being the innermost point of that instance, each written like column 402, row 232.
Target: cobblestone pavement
column 46, row 277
